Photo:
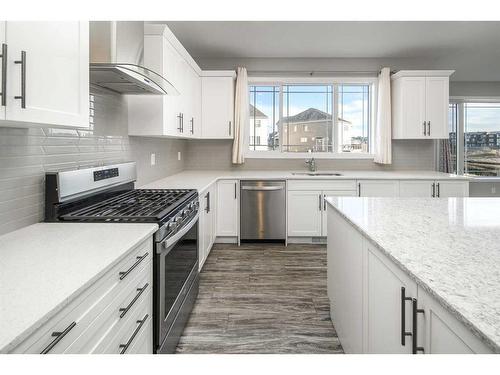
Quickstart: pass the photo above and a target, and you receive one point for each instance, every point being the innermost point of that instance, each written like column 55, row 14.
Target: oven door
column 176, row 268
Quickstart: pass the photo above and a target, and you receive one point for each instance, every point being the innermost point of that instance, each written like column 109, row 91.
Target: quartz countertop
column 45, row 266
column 202, row 179
column 449, row 246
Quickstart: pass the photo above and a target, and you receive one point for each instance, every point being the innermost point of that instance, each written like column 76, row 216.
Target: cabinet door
column 217, row 107
column 56, row 81
column 324, row 215
column 436, row 106
column 416, row 189
column 3, row 63
column 413, row 107
column 449, row 189
column 439, row 332
column 378, row 188
column 385, row 306
column 227, row 208
column 304, row 213
column 194, row 130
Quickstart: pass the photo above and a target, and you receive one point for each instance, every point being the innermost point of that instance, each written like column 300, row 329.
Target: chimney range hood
column 116, row 54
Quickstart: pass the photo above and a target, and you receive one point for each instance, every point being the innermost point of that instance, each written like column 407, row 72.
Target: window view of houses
column 306, row 123
column 481, row 138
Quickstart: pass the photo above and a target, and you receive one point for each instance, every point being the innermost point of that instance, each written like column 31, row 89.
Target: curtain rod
column 316, row 72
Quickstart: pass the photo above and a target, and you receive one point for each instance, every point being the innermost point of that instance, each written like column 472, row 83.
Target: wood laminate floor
column 262, row 298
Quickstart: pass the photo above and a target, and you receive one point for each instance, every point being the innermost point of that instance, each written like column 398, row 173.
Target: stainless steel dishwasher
column 263, row 205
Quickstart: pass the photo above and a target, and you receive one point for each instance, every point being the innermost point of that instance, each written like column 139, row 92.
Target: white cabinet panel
column 436, row 106
column 332, row 193
column 56, row 81
column 3, row 61
column 304, row 213
column 439, row 332
column 384, row 306
column 420, row 188
column 447, row 189
column 378, row 188
column 345, row 282
column 207, row 223
column 227, row 208
column 217, row 107
column 413, row 107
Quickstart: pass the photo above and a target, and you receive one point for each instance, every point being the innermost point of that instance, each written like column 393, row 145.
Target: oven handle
column 166, row 244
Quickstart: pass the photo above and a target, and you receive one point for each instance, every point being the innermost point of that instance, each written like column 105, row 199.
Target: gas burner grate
column 148, row 205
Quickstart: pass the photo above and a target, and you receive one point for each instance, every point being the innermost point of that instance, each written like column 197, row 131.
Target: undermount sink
column 316, row 174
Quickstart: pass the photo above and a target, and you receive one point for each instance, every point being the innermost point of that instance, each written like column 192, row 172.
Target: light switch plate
column 153, row 159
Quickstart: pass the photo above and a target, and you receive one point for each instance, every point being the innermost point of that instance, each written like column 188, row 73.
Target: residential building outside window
column 311, row 117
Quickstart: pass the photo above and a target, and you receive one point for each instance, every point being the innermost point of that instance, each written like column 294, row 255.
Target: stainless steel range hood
column 116, row 54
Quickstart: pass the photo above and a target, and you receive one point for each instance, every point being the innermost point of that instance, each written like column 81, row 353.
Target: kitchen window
column 473, row 146
column 319, row 119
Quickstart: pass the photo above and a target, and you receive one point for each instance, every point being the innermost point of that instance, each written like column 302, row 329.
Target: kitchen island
column 415, row 275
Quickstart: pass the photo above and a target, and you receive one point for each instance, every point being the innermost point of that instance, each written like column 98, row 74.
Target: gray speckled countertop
column 45, row 266
column 451, row 247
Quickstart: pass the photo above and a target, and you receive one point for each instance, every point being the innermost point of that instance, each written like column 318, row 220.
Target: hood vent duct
column 116, row 51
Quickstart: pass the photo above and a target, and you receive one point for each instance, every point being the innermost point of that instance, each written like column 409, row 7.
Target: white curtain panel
column 383, row 127
column 241, row 121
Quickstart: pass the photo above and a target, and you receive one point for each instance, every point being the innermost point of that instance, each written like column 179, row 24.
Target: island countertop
column 450, row 247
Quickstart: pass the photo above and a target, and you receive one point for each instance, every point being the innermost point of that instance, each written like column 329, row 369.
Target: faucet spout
column 311, row 163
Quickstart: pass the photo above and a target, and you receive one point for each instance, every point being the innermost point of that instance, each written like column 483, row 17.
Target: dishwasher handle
column 262, row 188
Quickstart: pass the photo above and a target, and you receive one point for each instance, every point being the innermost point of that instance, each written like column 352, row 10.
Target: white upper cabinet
column 217, row 104
column 47, row 73
column 3, row 70
column 176, row 116
column 420, row 104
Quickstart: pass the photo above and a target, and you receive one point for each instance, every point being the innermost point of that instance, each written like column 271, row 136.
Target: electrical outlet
column 153, row 159
column 178, row 155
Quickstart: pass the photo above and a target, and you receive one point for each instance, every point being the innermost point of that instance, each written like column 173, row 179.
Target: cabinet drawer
column 130, row 331
column 75, row 318
column 321, row 185
column 112, row 316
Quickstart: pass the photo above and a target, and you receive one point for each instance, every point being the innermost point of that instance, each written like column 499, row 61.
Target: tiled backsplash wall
column 216, row 154
column 27, row 153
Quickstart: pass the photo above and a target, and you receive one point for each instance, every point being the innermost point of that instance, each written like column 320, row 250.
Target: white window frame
column 460, row 101
column 280, row 81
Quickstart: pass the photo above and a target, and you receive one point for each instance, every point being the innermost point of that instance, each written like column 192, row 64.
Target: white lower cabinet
column 207, row 223
column 304, row 213
column 324, row 214
column 417, row 189
column 433, row 188
column 105, row 317
column 447, row 189
column 227, row 208
column 377, row 308
column 378, row 188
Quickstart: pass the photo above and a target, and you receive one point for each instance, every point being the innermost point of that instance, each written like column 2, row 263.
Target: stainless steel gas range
column 107, row 194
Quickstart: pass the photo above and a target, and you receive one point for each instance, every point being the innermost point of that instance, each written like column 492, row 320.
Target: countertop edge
column 45, row 318
column 442, row 301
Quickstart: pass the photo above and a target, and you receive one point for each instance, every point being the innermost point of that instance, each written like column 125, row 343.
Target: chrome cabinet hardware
column 140, row 323
column 3, row 91
column 320, row 202
column 229, row 127
column 428, row 128
column 124, row 274
column 207, row 207
column 404, row 299
column 58, row 337
column 22, row 97
column 433, row 189
column 179, row 116
column 235, row 187
column 437, row 190
column 424, row 128
column 416, row 310
column 124, row 310
column 192, row 125
column 324, row 202
column 262, row 188
column 359, row 189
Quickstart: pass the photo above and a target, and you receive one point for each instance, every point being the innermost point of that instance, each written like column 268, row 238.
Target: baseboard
column 307, row 240
column 226, row 240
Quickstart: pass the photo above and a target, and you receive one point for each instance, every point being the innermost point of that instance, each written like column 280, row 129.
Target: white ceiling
column 470, row 45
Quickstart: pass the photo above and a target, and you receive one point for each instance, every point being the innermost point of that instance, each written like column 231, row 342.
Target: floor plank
column 262, row 298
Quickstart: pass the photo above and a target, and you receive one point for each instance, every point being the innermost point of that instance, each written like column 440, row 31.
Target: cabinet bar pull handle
column 192, row 125
column 229, row 127
column 3, row 93
column 124, row 310
column 415, row 348
column 207, row 208
column 58, row 337
column 320, row 202
column 404, row 334
column 424, row 128
column 324, row 202
column 235, row 187
column 22, row 97
column 124, row 274
column 438, row 192
column 179, row 116
column 359, row 189
column 428, row 128
column 124, row 347
column 433, row 189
